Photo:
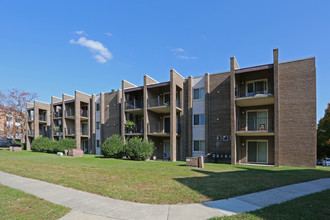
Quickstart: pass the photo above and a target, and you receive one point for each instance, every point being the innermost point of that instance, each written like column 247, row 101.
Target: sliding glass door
column 257, row 151
column 257, row 120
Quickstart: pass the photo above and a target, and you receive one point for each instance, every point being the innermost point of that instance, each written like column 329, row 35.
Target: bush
column 138, row 149
column 113, row 147
column 65, row 144
column 42, row 144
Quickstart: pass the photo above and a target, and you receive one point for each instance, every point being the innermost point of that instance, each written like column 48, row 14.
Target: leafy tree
column 323, row 135
column 13, row 103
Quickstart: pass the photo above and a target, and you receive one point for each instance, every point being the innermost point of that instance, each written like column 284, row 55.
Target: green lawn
column 15, row 204
column 315, row 206
column 152, row 181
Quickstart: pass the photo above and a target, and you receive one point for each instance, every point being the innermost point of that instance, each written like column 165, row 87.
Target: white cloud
column 182, row 57
column 81, row 32
column 109, row 34
column 102, row 53
column 180, row 50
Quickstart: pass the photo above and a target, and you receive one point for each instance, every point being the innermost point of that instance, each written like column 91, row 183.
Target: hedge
column 113, row 147
column 44, row 144
column 139, row 149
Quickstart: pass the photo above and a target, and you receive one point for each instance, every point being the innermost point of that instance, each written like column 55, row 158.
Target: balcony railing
column 57, row 114
column 58, row 132
column 83, row 113
column 30, row 133
column 30, row 117
column 256, row 124
column 241, row 91
column 160, row 102
column 135, row 104
column 42, row 118
column 84, row 131
column 137, row 130
column 43, row 133
column 69, row 113
column 69, row 131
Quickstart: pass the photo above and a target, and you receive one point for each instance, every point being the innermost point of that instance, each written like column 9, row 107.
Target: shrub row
column 44, row 144
column 135, row 148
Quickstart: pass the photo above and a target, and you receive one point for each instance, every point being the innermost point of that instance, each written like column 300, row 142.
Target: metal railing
column 69, row 113
column 57, row 114
column 83, row 113
column 69, row 131
column 42, row 117
column 241, row 92
column 137, row 129
column 84, row 131
column 256, row 124
column 160, row 102
column 135, row 104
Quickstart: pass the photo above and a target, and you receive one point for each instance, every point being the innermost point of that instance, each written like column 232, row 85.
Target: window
column 257, row 121
column 9, row 118
column 97, row 143
column 18, row 120
column 199, row 93
column 98, row 125
column 257, row 87
column 199, row 145
column 257, row 151
column 97, row 107
column 199, row 119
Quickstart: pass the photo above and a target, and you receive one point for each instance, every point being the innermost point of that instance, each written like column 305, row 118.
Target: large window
column 98, row 125
column 257, row 121
column 199, row 145
column 257, row 87
column 97, row 107
column 257, row 151
column 199, row 93
column 199, row 119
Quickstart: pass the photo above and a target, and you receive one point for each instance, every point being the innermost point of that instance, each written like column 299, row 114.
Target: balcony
column 57, row 115
column 30, row 133
column 135, row 106
column 69, row 132
column 162, row 105
column 156, row 129
column 43, row 133
column 84, row 132
column 254, row 94
column 137, row 130
column 30, row 117
column 58, row 132
column 83, row 114
column 255, row 126
column 69, row 113
column 43, row 118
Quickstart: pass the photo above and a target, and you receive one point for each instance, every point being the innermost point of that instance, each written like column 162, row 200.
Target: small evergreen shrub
column 113, row 147
column 138, row 149
column 65, row 144
column 42, row 144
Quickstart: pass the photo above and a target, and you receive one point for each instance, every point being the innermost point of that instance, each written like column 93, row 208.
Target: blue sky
column 100, row 43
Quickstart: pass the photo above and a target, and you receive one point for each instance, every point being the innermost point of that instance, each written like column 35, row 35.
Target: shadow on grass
column 221, row 185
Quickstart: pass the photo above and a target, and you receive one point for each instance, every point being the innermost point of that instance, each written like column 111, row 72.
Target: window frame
column 198, row 141
column 199, row 93
column 247, row 147
column 254, row 91
column 97, row 107
column 199, row 119
column 247, row 121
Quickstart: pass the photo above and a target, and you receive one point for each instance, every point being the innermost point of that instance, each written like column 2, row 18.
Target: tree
column 323, row 135
column 13, row 104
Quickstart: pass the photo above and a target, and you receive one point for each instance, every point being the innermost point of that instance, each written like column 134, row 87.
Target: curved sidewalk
column 91, row 206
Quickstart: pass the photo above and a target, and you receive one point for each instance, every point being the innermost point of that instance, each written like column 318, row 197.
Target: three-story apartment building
column 259, row 115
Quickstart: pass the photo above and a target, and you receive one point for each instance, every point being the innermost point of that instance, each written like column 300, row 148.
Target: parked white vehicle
column 326, row 162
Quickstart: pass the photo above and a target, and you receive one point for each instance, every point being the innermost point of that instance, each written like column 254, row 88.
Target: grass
column 153, row 181
column 15, row 204
column 314, row 206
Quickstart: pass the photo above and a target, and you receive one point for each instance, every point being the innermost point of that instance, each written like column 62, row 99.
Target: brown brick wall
column 219, row 109
column 297, row 122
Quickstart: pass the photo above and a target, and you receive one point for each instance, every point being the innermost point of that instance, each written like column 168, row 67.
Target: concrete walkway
column 86, row 205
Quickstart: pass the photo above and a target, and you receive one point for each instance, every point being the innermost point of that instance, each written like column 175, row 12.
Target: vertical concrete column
column 63, row 115
column 36, row 121
column 145, row 108
column 102, row 118
column 182, row 135
column 233, row 110
column 189, row 117
column 93, row 121
column 207, row 111
column 52, row 126
column 123, row 117
column 276, row 109
column 27, row 129
column 90, row 122
column 172, row 118
column 77, row 122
